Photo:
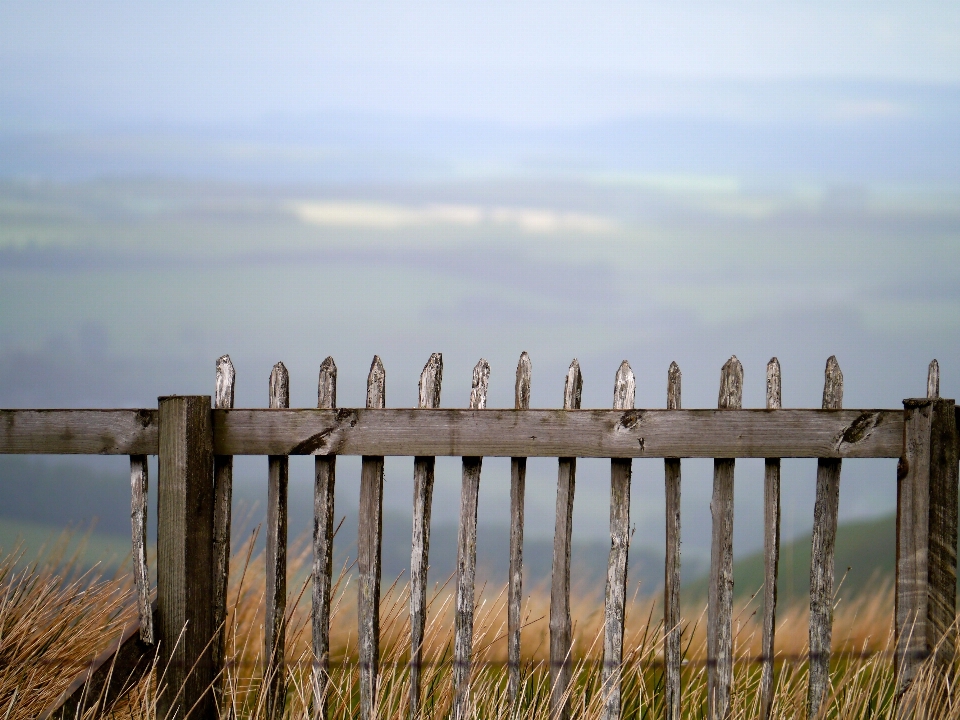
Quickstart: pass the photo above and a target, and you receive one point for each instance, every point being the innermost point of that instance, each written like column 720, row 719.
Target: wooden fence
column 195, row 445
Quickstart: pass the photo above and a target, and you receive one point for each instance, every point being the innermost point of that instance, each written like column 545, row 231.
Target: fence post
column 185, row 557
column 926, row 541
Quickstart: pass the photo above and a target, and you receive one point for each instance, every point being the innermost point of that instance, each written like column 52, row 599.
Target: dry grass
column 51, row 627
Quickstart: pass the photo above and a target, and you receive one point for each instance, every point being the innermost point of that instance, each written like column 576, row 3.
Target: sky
column 600, row 181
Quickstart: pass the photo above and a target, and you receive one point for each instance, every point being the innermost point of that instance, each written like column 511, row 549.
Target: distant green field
column 33, row 539
column 865, row 555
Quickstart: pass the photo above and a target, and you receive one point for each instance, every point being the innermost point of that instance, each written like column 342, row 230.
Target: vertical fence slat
column 771, row 550
column 423, row 472
column 560, row 625
column 822, row 552
column 624, row 398
column 138, row 527
column 368, row 554
column 274, row 631
column 933, row 380
column 467, row 558
column 926, row 593
column 720, row 600
column 325, row 474
column 222, row 512
column 671, row 575
column 185, row 556
column 518, row 481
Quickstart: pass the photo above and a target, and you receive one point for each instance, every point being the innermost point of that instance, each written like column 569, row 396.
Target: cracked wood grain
column 467, row 558
column 822, row 553
column 561, row 666
column 423, row 474
column 369, row 547
column 771, row 551
column 518, row 480
column 222, row 516
column 624, row 398
column 325, row 469
column 671, row 567
column 274, row 631
column 720, row 599
column 138, row 526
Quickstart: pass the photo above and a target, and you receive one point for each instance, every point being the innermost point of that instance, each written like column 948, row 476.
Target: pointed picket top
column 674, row 376
column 773, row 385
column 832, row 385
column 481, row 379
column 430, row 381
column 573, row 387
column 933, row 380
column 624, row 388
column 376, row 385
column 327, row 385
column 731, row 385
column 225, row 378
column 279, row 386
column 521, row 394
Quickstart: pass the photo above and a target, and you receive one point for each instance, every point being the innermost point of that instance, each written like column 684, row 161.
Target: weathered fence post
column 720, row 600
column 926, row 542
column 274, row 630
column 185, row 557
column 369, row 539
column 671, row 565
column 325, row 475
column 222, row 514
column 822, row 548
column 518, row 482
column 431, row 380
column 621, row 469
column 560, row 624
column 771, row 550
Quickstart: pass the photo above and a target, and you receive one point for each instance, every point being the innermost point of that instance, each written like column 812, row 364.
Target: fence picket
column 933, row 380
column 624, row 398
column 720, row 600
column 821, row 552
column 518, row 480
column 423, row 472
column 325, row 475
column 560, row 625
column 467, row 557
column 369, row 541
column 771, row 550
column 274, row 631
column 138, row 526
column 222, row 512
column 671, row 567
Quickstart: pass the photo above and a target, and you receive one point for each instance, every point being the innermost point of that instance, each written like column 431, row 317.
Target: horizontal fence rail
column 760, row 433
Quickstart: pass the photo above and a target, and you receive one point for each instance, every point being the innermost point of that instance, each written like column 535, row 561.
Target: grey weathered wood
column 79, row 432
column 771, row 551
column 560, row 623
column 518, row 482
column 467, row 558
column 369, row 546
column 933, row 379
column 184, row 620
column 274, row 630
column 222, row 515
column 926, row 593
column 671, row 567
column 325, row 470
column 423, row 473
column 720, row 599
column 624, row 398
column 138, row 527
column 559, row 433
column 822, row 553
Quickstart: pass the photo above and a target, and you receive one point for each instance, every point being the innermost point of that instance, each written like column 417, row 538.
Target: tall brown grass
column 51, row 627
